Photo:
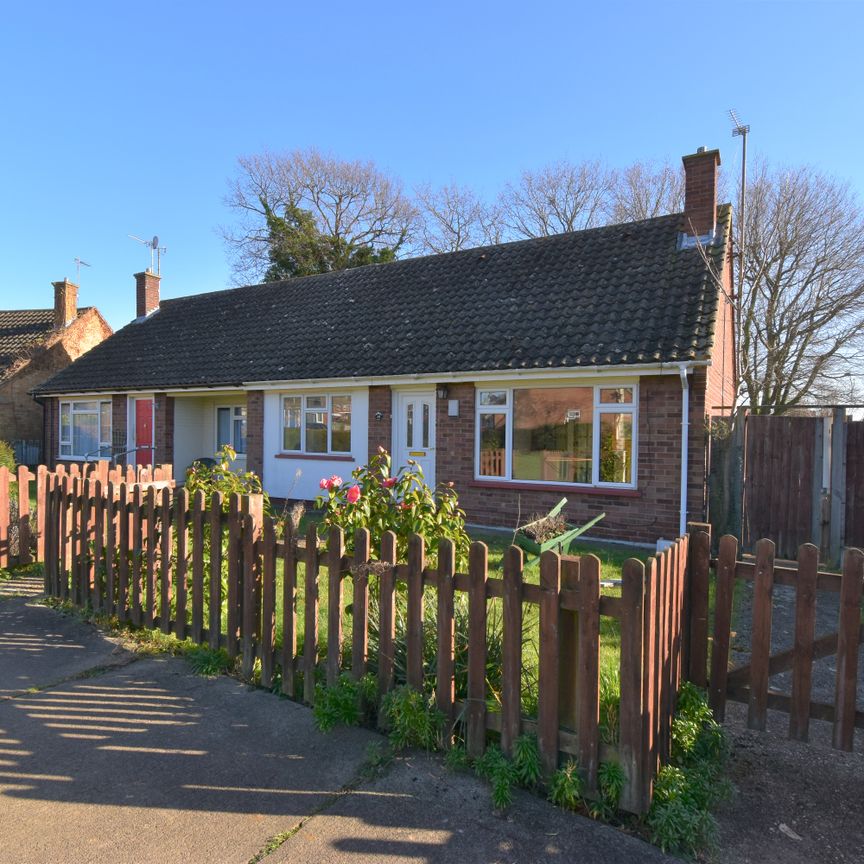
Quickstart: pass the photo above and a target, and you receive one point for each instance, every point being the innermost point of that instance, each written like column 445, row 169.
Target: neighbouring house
column 579, row 365
column 36, row 344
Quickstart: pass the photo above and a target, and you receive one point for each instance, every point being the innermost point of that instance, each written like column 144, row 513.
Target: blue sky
column 129, row 120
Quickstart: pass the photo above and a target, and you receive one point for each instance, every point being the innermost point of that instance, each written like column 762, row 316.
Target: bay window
column 581, row 435
column 316, row 424
column 85, row 429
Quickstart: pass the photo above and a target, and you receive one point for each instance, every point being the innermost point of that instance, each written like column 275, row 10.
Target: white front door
column 414, row 431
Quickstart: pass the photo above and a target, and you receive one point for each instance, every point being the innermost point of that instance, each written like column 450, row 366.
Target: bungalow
column 579, row 365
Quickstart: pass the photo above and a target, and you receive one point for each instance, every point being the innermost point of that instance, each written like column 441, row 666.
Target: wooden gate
column 750, row 682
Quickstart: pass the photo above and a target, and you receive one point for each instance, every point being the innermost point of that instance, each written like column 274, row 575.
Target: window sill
column 316, row 457
column 562, row 488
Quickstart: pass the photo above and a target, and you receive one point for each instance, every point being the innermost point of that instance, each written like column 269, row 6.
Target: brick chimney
column 146, row 293
column 700, row 192
column 65, row 303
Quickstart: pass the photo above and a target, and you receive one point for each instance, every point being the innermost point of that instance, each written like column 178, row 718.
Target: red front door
column 144, row 431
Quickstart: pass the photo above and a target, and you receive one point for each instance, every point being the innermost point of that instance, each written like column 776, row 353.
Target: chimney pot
column 65, row 303
column 146, row 293
column 700, row 192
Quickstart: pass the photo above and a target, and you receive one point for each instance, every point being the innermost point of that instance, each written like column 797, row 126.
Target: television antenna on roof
column 742, row 130
column 78, row 263
column 156, row 251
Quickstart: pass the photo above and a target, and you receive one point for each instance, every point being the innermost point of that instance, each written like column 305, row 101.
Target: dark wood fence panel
column 855, row 484
column 778, row 488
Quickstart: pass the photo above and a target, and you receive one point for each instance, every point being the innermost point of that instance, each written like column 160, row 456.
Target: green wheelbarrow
column 560, row 543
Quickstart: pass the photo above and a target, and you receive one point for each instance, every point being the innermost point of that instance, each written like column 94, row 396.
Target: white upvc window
column 572, row 434
column 85, row 429
column 231, row 428
column 316, row 423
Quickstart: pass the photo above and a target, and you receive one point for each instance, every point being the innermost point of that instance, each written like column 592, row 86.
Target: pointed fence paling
column 220, row 572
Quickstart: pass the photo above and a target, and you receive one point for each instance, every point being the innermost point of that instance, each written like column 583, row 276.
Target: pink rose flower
column 389, row 483
column 353, row 494
column 324, row 484
column 335, row 480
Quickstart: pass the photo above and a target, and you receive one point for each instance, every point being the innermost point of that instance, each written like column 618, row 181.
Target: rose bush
column 381, row 501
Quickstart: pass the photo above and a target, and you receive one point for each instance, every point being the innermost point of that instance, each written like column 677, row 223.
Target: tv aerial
column 79, row 263
column 156, row 251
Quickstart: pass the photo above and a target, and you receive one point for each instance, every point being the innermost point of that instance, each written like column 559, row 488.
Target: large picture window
column 231, row 428
column 316, row 424
column 85, row 429
column 575, row 435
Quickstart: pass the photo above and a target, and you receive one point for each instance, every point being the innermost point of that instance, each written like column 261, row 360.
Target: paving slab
column 150, row 763
column 418, row 811
column 39, row 646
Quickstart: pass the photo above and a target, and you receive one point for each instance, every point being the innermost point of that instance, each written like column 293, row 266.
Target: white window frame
column 328, row 409
column 104, row 444
column 598, row 410
column 232, row 408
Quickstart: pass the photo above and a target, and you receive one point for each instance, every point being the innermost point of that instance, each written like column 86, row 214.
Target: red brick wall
column 380, row 431
column 51, row 431
column 722, row 374
column 641, row 516
column 163, row 429
column 255, row 431
column 146, row 293
column 700, row 192
column 119, row 422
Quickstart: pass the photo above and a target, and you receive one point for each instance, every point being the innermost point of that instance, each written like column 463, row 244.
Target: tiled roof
column 20, row 329
column 621, row 294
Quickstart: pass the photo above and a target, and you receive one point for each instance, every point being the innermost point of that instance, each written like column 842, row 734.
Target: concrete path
column 109, row 758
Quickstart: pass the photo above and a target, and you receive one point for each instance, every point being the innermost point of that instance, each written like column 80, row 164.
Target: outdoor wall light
column 442, row 391
column 379, row 416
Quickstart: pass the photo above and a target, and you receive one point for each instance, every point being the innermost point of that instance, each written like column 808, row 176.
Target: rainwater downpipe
column 685, row 446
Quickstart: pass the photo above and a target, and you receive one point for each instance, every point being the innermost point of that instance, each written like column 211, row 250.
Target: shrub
column 412, row 719
column 685, row 789
column 565, row 788
column 347, row 703
column 402, row 502
column 221, row 477
column 7, row 456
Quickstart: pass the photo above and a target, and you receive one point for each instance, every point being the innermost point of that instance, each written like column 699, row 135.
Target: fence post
column 214, row 595
column 181, row 516
column 235, row 557
column 150, row 592
column 847, row 649
column 475, row 734
column 4, row 517
column 310, row 618
column 760, row 649
column 805, row 628
column 41, row 494
column 547, row 707
column 630, row 717
column 414, row 611
column 724, row 591
column 24, row 475
column 511, row 677
column 360, row 605
column 695, row 654
column 387, row 617
column 445, row 684
column 98, row 544
column 568, row 650
column 289, row 608
column 137, row 554
column 268, row 601
column 335, row 551
column 588, row 700
column 165, row 561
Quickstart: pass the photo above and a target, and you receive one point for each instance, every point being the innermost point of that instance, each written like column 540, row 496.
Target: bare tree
column 644, row 190
column 453, row 217
column 802, row 306
column 561, row 197
column 354, row 203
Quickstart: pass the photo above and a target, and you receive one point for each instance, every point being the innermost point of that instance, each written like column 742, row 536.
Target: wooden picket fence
column 29, row 526
column 141, row 553
column 750, row 683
